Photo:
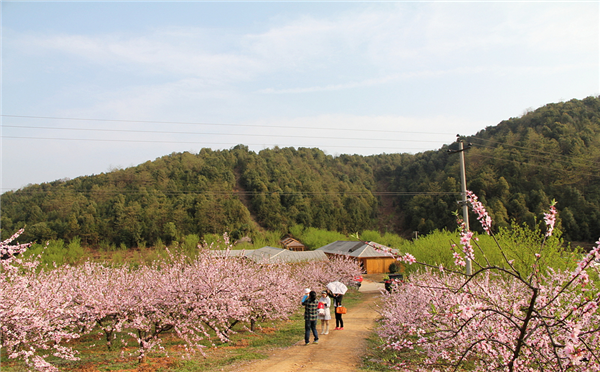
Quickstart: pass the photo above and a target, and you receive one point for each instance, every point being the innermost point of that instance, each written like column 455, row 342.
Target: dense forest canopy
column 516, row 168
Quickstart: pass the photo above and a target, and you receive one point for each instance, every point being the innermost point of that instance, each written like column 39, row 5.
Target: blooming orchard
column 37, row 313
column 195, row 299
column 498, row 318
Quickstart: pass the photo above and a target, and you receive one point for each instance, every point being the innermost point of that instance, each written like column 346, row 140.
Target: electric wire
column 565, row 161
column 209, row 134
column 545, row 166
column 554, row 154
column 220, row 124
column 569, row 157
column 535, row 154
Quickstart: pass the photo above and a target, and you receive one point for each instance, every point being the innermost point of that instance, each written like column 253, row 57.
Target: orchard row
column 199, row 300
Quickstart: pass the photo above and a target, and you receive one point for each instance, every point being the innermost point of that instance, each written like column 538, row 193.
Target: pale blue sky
column 377, row 76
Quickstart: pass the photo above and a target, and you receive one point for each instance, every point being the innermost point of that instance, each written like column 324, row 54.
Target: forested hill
column 516, row 167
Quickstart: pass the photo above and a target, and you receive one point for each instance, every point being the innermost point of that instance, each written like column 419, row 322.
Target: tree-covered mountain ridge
column 516, row 168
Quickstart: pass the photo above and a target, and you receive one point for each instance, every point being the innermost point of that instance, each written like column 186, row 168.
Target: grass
column 385, row 360
column 244, row 345
column 377, row 359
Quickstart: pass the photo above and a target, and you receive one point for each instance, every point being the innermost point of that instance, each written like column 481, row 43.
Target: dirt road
column 337, row 351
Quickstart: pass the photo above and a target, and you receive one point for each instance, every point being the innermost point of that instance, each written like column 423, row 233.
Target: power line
column 211, row 134
column 254, row 135
column 217, row 124
column 545, row 166
column 553, row 154
column 566, row 160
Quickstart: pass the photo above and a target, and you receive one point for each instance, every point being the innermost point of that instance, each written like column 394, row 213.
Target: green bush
column 159, row 244
column 388, row 239
column 75, row 251
column 117, row 258
column 209, row 239
column 189, row 247
column 106, row 246
column 56, row 252
column 519, row 243
column 314, row 238
column 266, row 238
column 296, row 231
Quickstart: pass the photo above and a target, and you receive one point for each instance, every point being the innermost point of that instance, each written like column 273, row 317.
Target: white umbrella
column 337, row 287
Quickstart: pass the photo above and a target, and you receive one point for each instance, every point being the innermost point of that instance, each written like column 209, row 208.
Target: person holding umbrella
column 337, row 290
column 337, row 302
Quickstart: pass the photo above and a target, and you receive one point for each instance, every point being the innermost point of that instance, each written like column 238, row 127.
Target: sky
column 89, row 87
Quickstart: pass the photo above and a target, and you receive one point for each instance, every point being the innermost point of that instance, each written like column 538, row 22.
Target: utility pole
column 463, row 191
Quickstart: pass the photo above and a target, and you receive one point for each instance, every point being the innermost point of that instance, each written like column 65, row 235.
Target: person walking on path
column 324, row 312
column 310, row 317
column 337, row 301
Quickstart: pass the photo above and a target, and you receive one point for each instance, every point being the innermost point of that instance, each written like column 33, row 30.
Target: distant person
column 324, row 312
column 358, row 281
column 310, row 317
column 337, row 302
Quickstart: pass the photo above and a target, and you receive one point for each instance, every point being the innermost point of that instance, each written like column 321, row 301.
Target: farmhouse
column 371, row 260
column 292, row 244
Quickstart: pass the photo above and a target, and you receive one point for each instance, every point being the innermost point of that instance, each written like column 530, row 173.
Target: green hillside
column 516, row 167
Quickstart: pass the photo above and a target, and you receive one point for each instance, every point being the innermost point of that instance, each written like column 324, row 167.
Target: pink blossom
column 8, row 251
column 40, row 310
column 409, row 258
column 445, row 322
column 458, row 259
column 550, row 218
column 482, row 216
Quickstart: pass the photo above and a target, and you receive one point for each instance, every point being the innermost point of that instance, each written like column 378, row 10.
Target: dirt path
column 337, row 351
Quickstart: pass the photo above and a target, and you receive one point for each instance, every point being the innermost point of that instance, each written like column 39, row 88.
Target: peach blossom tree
column 499, row 318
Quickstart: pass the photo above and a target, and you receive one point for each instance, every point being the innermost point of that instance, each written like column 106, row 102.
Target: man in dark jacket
column 310, row 317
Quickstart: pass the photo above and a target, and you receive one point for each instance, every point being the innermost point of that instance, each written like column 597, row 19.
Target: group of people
column 320, row 309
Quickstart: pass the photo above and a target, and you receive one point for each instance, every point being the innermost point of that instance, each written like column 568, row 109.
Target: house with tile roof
column 292, row 244
column 372, row 260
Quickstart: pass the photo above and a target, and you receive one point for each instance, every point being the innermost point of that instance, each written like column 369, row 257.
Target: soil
column 337, row 351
